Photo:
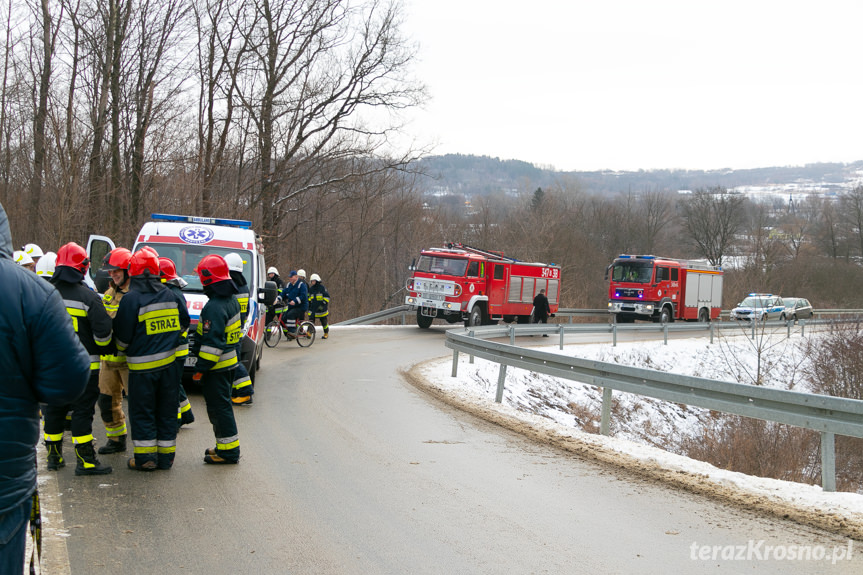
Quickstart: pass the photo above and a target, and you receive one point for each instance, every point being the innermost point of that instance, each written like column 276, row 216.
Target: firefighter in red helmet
column 93, row 326
column 168, row 274
column 215, row 345
column 148, row 328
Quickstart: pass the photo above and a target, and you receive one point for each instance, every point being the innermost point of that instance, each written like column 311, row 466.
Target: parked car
column 797, row 308
column 759, row 307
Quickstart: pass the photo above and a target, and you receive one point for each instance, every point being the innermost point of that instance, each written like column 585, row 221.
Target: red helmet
column 167, row 269
column 213, row 268
column 117, row 259
column 74, row 256
column 144, row 261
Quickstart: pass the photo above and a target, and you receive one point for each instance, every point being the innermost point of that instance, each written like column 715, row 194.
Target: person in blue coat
column 295, row 296
column 42, row 360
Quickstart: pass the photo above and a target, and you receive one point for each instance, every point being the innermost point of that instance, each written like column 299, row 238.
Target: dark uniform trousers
column 83, row 410
column 153, row 411
column 217, row 394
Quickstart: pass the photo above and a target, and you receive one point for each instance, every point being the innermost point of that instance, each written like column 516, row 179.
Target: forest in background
column 280, row 112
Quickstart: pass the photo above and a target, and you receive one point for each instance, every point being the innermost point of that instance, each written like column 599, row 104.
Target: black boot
column 55, row 455
column 87, row 462
column 116, row 445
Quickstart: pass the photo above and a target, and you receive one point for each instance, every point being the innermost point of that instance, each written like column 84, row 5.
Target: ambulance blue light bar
column 632, row 257
column 245, row 224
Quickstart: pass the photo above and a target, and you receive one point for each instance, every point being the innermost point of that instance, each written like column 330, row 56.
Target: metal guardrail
column 403, row 311
column 378, row 316
column 828, row 415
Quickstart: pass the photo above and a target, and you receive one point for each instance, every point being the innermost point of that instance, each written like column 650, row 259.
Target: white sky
column 635, row 84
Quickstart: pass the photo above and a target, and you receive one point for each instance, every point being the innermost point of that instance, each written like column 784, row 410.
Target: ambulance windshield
column 439, row 265
column 187, row 256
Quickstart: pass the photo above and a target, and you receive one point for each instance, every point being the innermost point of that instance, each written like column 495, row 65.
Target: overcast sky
column 641, row 84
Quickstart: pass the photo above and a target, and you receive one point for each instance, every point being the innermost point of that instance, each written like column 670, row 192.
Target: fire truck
column 663, row 289
column 479, row 287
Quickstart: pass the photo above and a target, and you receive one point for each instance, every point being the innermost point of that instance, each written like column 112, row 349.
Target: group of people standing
column 298, row 299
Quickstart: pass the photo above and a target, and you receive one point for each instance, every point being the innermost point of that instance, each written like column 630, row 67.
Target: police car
column 759, row 307
column 187, row 239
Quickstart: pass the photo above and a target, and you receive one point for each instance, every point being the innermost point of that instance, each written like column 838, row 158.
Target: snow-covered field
column 564, row 407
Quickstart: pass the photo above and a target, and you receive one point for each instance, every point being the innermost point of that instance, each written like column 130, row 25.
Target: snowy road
column 349, row 469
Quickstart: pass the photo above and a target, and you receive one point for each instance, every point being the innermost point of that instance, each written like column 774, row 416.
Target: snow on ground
column 562, row 407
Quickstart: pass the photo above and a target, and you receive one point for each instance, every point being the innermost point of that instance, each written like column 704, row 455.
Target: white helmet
column 45, row 265
column 33, row 250
column 273, row 270
column 235, row 262
column 22, row 258
column 315, row 278
column 301, row 273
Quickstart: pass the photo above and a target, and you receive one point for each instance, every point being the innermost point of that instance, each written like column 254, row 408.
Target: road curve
column 346, row 468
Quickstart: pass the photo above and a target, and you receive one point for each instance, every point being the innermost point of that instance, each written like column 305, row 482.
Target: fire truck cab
column 661, row 289
column 479, row 287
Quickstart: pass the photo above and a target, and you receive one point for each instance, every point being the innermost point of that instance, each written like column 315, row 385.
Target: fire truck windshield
column 439, row 265
column 635, row 272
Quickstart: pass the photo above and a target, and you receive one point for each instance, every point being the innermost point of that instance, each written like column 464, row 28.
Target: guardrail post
column 711, row 332
column 752, row 321
column 512, row 335
column 501, row 377
column 455, row 363
column 788, row 323
column 614, row 335
column 802, row 327
column 560, row 328
column 471, row 334
column 605, row 419
column 828, row 461
column 665, row 334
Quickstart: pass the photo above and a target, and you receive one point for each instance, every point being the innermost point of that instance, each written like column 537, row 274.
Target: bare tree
column 711, row 218
column 852, row 213
column 308, row 71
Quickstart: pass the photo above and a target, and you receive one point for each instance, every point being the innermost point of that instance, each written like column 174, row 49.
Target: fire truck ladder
column 487, row 253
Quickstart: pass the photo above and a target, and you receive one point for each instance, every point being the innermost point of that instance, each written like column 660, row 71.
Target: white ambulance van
column 187, row 239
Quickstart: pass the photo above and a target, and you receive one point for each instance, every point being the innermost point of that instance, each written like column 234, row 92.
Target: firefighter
column 93, row 325
column 24, row 260
column 243, row 389
column 168, row 274
column 148, row 327
column 114, row 374
column 33, row 251
column 217, row 334
column 273, row 276
column 46, row 265
column 319, row 303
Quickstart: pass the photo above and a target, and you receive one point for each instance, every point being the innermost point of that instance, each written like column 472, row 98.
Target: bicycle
column 304, row 331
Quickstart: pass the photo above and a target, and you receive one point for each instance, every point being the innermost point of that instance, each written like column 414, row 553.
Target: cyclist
column 295, row 296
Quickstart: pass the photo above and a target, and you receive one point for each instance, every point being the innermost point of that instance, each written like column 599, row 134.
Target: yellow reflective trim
column 75, row 312
column 226, row 363
column 208, row 356
column 53, row 437
column 151, row 364
column 94, row 365
column 82, row 439
column 146, row 449
column 226, row 446
column 171, row 449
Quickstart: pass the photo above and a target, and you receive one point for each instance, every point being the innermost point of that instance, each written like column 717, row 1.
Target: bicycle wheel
column 305, row 334
column 272, row 333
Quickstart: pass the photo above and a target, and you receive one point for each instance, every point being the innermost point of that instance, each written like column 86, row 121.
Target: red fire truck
column 663, row 289
column 463, row 283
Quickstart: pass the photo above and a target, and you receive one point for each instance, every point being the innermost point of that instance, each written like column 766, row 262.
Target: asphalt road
column 346, row 468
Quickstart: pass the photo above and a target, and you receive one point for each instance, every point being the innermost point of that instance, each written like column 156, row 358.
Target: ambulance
column 187, row 239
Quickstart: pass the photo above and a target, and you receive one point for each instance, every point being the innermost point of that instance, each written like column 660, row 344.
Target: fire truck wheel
column 664, row 316
column 424, row 321
column 475, row 318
